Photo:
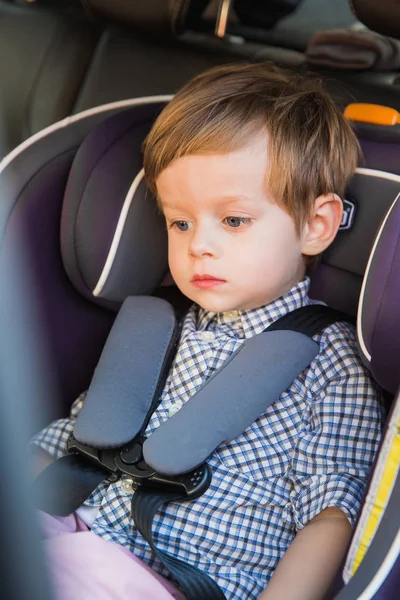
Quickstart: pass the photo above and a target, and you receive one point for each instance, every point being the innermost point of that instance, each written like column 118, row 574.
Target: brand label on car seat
column 349, row 209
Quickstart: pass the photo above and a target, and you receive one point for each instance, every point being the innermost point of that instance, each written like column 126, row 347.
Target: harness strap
column 84, row 476
column 310, row 320
column 63, row 486
column 195, row 584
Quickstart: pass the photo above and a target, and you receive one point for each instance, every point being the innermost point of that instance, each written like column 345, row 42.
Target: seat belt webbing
column 195, row 584
column 310, row 319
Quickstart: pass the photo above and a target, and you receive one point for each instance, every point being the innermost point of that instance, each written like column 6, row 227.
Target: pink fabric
column 84, row 566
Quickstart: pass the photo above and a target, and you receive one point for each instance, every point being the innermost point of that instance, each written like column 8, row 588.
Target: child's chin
column 215, row 306
column 211, row 300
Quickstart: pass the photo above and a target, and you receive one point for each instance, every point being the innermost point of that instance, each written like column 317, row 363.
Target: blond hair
column 312, row 147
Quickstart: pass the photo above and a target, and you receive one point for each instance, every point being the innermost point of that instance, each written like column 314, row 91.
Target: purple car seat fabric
column 343, row 264
column 379, row 310
column 33, row 182
column 113, row 249
column 380, row 147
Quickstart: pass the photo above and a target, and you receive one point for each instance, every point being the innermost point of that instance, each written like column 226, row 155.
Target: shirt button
column 207, row 336
column 127, row 486
column 232, row 315
column 173, row 410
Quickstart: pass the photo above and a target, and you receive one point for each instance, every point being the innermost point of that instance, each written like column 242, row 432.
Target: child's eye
column 235, row 222
column 181, row 225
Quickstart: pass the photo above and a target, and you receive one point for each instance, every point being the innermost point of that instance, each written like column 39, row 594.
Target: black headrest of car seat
column 382, row 16
column 159, row 17
column 113, row 237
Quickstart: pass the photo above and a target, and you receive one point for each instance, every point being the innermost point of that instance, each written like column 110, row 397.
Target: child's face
column 230, row 246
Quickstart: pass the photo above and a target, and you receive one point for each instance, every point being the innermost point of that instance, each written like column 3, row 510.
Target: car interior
column 82, row 83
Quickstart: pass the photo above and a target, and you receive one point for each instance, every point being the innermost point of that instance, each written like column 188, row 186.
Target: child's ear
column 322, row 225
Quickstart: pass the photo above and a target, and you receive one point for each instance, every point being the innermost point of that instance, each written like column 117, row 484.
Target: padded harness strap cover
column 235, row 396
column 131, row 372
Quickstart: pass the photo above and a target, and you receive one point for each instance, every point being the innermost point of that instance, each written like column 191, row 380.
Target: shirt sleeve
column 53, row 439
column 342, row 425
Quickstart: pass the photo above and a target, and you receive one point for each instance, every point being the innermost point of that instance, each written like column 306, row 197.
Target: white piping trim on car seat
column 74, row 118
column 364, row 283
column 379, row 174
column 118, row 234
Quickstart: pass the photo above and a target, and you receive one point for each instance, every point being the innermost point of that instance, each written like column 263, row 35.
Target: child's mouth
column 206, row 281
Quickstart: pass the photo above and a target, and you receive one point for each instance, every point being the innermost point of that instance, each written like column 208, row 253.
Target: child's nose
column 201, row 243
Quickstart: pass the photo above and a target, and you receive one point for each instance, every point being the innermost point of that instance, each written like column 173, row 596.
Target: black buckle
column 128, row 460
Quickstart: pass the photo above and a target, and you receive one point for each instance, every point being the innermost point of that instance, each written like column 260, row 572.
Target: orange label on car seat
column 372, row 113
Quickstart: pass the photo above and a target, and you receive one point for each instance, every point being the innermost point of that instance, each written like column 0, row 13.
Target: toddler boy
column 248, row 165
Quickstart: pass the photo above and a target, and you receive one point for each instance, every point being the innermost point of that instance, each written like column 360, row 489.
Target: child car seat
column 75, row 208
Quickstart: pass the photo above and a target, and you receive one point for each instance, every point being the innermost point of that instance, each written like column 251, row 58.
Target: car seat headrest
column 382, row 16
column 158, row 17
column 378, row 321
column 367, row 199
column 113, row 237
column 360, row 272
column 114, row 240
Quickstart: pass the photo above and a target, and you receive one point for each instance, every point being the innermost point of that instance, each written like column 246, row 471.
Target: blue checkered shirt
column 311, row 449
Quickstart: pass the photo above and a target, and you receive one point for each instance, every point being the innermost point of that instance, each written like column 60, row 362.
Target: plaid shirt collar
column 247, row 323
